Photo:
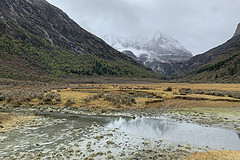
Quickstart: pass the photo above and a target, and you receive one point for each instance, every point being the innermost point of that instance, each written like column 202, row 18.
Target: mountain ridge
column 237, row 32
column 38, row 39
column 219, row 64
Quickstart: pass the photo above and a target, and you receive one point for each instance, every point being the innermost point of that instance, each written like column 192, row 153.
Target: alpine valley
column 67, row 94
column 40, row 41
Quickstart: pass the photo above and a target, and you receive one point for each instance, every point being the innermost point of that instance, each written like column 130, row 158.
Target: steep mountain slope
column 237, row 32
column 156, row 51
column 38, row 39
column 220, row 64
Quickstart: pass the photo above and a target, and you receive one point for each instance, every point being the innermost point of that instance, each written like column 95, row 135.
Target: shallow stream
column 59, row 136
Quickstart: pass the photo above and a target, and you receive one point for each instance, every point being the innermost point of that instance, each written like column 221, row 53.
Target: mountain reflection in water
column 148, row 128
column 182, row 133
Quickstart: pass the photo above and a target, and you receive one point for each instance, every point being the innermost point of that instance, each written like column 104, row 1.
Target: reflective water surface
column 55, row 131
column 181, row 133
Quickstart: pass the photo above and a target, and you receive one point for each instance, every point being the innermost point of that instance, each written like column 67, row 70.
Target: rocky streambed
column 66, row 133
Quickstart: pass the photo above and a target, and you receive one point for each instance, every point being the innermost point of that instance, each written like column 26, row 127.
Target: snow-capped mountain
column 154, row 50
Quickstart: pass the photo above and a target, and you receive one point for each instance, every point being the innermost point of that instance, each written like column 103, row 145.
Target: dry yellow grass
column 79, row 95
column 215, row 155
column 8, row 121
column 5, row 117
column 157, row 89
column 217, row 86
column 74, row 95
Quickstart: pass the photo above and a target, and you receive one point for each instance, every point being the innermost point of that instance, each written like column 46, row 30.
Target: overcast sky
column 198, row 24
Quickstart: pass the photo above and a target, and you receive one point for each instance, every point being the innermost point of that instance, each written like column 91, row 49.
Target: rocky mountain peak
column 157, row 50
column 237, row 32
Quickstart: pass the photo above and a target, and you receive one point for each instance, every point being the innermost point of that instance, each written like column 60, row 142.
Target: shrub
column 40, row 96
column 41, row 102
column 26, row 100
column 120, row 99
column 168, row 89
column 48, row 98
column 221, row 93
column 17, row 101
column 234, row 95
column 2, row 98
column 87, row 99
column 175, row 93
column 8, row 99
column 185, row 91
column 100, row 94
column 218, row 93
column 125, row 87
column 69, row 102
column 57, row 98
column 198, row 91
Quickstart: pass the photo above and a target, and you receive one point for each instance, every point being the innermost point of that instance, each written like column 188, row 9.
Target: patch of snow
column 156, row 47
column 46, row 35
column 12, row 9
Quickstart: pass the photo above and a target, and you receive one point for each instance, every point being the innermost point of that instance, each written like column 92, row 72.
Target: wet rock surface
column 59, row 133
column 55, row 138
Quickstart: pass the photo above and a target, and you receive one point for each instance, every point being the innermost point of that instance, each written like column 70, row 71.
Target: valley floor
column 215, row 105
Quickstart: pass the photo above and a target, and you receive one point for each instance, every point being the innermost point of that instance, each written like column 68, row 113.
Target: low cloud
column 198, row 25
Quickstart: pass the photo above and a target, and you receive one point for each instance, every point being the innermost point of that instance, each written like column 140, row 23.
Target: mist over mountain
column 198, row 25
column 157, row 51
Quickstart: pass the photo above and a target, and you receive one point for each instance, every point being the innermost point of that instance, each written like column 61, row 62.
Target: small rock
column 145, row 143
column 110, row 142
column 110, row 156
column 187, row 146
